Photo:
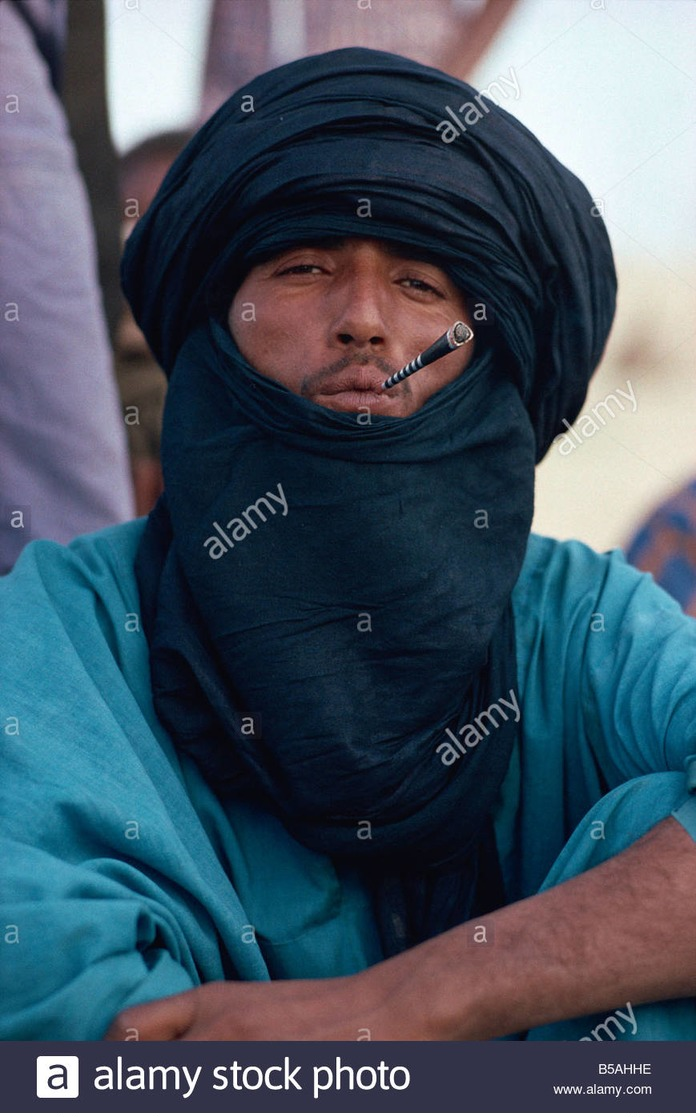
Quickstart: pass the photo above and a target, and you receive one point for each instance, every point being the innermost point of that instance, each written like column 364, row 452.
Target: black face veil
column 328, row 602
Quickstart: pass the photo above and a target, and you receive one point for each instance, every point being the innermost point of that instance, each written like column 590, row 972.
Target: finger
column 167, row 1018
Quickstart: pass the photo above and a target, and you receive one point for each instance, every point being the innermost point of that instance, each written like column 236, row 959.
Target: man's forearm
column 623, row 931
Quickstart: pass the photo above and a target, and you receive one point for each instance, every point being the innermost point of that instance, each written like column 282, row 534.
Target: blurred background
column 607, row 85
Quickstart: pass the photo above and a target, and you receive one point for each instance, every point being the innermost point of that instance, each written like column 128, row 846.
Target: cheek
column 441, row 373
column 246, row 338
column 243, row 324
column 264, row 337
column 261, row 322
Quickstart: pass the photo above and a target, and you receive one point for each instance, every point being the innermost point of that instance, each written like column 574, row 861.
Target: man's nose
column 359, row 317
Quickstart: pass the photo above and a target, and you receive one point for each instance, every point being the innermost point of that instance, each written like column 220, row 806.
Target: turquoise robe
column 124, row 879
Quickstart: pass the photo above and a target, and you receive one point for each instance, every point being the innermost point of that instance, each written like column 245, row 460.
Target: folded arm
column 623, row 931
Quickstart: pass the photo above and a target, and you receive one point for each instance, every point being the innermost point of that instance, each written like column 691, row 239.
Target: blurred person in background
column 248, row 37
column 141, row 382
column 665, row 546
column 63, row 456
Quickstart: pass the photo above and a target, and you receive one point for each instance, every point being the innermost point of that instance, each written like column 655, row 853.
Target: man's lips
column 363, row 382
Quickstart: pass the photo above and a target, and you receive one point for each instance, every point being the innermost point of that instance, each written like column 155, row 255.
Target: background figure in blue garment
column 332, row 715
column 665, row 545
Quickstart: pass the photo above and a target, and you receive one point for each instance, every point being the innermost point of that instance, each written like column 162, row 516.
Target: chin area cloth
column 328, row 603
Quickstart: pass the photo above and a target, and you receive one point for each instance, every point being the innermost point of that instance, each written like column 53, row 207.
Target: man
column 332, row 717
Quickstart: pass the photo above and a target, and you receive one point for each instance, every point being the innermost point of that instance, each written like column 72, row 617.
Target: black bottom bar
column 507, row 1077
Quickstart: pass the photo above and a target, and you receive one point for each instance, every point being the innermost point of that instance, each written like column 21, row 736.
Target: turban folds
column 379, row 520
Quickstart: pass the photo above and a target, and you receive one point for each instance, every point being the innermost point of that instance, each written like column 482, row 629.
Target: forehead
column 394, row 249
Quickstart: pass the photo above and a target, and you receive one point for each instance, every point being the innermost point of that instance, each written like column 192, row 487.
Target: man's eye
column 300, row 269
column 420, row 285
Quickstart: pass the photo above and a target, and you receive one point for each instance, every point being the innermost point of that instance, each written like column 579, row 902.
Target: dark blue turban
column 419, row 524
column 510, row 224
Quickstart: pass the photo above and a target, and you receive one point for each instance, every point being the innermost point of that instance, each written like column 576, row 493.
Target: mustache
column 324, row 377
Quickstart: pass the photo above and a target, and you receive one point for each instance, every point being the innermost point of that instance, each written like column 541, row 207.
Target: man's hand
column 346, row 1008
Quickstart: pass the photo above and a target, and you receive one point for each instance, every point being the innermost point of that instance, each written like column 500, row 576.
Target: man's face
column 333, row 320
